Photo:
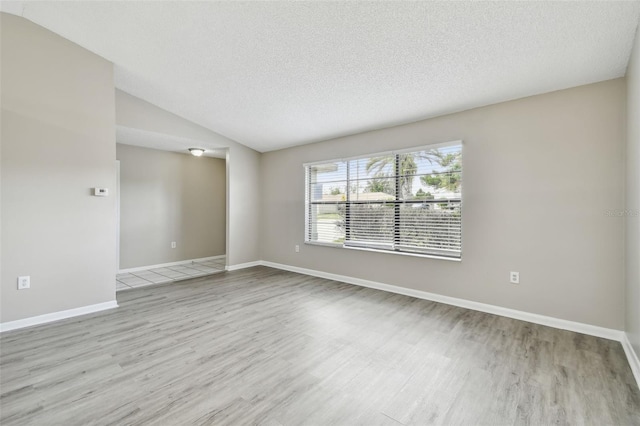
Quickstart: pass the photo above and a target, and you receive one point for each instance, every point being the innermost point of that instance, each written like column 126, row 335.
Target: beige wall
column 633, row 199
column 539, row 175
column 243, row 170
column 58, row 141
column 165, row 197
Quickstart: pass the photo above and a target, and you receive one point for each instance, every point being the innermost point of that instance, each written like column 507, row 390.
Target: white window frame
column 354, row 245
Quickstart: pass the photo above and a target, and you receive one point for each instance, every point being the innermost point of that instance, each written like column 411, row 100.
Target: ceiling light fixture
column 196, row 151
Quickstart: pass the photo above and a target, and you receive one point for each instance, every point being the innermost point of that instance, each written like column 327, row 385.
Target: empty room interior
column 319, row 213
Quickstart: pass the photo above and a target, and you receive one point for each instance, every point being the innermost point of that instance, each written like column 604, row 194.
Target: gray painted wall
column 58, row 141
column 165, row 197
column 633, row 199
column 539, row 175
column 243, row 170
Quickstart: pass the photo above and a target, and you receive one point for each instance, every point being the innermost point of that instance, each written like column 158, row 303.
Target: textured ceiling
column 276, row 74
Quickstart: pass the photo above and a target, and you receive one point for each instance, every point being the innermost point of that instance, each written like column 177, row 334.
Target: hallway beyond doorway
column 154, row 275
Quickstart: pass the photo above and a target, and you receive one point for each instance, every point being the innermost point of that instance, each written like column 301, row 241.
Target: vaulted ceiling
column 276, row 74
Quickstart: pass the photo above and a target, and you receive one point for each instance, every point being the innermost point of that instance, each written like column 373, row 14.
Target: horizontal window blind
column 406, row 202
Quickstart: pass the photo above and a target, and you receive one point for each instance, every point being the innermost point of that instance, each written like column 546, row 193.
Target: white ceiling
column 276, row 74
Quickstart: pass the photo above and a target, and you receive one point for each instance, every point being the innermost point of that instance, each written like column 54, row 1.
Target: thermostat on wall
column 100, row 192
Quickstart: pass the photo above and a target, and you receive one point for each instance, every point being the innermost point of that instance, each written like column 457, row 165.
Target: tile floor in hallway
column 167, row 274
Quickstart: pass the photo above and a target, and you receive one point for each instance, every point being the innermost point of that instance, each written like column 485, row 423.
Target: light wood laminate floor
column 262, row 346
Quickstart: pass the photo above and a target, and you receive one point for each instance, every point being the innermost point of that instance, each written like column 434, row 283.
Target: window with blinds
column 408, row 201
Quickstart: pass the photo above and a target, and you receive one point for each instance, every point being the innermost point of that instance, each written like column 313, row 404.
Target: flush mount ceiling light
column 196, row 151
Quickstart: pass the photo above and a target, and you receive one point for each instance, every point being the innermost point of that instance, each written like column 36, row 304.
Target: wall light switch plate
column 100, row 192
column 173, row 244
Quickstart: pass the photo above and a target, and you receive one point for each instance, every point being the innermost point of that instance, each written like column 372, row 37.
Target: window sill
column 428, row 256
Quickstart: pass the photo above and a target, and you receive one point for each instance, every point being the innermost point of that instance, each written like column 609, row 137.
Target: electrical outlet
column 297, row 248
column 173, row 244
column 24, row 282
column 514, row 277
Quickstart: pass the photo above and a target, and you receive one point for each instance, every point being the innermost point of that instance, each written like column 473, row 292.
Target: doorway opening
column 171, row 221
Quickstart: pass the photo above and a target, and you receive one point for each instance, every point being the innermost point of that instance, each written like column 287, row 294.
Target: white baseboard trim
column 578, row 327
column 56, row 316
column 164, row 265
column 632, row 356
column 244, row 265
